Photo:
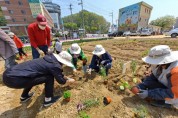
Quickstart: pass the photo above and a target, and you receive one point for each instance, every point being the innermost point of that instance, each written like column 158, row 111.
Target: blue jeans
column 36, row 54
column 9, row 62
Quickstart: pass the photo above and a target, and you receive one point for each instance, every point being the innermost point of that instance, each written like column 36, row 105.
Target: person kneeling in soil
column 101, row 58
column 39, row 71
column 161, row 86
column 77, row 53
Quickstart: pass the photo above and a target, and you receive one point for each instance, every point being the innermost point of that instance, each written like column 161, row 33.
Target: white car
column 145, row 32
column 126, row 33
column 173, row 33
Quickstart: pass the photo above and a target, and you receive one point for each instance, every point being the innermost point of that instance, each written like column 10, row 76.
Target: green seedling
column 102, row 72
column 141, row 112
column 83, row 114
column 135, row 80
column 91, row 103
column 145, row 53
column 133, row 66
column 67, row 94
column 124, row 85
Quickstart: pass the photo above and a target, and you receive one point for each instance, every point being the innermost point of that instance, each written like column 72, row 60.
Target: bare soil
column 124, row 104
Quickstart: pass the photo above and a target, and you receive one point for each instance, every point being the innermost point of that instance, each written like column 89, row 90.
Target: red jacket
column 18, row 42
column 37, row 36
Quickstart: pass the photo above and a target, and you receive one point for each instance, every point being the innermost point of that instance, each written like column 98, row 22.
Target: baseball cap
column 41, row 19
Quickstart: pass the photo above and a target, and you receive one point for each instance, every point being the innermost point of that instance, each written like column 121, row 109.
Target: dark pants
column 28, row 83
column 36, row 54
column 21, row 52
column 107, row 67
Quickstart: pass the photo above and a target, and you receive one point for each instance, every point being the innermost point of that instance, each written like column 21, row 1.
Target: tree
column 70, row 26
column 93, row 22
column 3, row 21
column 164, row 22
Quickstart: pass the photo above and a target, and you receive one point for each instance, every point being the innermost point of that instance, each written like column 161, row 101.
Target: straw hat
column 99, row 50
column 161, row 54
column 75, row 49
column 65, row 58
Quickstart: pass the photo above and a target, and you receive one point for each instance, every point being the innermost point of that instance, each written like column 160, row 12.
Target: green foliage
column 91, row 103
column 70, row 26
column 83, row 114
column 165, row 21
column 3, row 21
column 92, row 21
column 133, row 66
column 145, row 53
column 102, row 71
column 27, row 48
column 57, row 34
column 67, row 94
column 141, row 112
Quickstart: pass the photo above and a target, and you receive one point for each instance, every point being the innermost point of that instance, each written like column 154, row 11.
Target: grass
column 83, row 114
column 133, row 66
column 91, row 103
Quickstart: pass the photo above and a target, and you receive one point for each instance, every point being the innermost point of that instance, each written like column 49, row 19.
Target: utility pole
column 83, row 25
column 111, row 14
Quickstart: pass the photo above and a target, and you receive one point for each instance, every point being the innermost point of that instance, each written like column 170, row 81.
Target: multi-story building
column 55, row 12
column 134, row 17
column 20, row 13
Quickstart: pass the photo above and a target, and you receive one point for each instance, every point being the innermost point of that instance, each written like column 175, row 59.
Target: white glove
column 89, row 71
column 39, row 51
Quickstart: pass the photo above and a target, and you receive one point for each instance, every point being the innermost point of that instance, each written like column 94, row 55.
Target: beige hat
column 75, row 49
column 161, row 54
column 99, row 50
column 65, row 58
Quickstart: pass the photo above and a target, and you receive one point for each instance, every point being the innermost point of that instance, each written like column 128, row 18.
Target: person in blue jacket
column 100, row 58
column 39, row 71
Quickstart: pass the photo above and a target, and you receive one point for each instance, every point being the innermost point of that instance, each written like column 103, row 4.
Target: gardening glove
column 89, row 71
column 39, row 51
column 103, row 62
column 143, row 94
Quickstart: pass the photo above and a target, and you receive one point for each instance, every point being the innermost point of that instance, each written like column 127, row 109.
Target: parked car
column 126, row 33
column 115, row 34
column 136, row 33
column 173, row 33
column 146, row 32
column 24, row 39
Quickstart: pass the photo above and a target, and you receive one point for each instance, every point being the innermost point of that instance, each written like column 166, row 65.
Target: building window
column 11, row 11
column 24, row 19
column 20, row 3
column 7, row 2
column 23, row 12
column 13, row 20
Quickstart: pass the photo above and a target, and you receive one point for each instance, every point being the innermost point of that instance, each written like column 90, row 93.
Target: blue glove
column 143, row 94
column 103, row 62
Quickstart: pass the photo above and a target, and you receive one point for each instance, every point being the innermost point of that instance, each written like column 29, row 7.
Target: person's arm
column 57, row 73
column 8, row 40
column 108, row 58
column 83, row 55
column 48, row 37
column 32, row 37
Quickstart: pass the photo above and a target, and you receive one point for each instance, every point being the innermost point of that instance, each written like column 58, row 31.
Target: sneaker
column 53, row 100
column 160, row 103
column 25, row 99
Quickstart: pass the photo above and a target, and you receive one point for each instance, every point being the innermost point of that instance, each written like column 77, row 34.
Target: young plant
column 133, row 66
column 141, row 112
column 66, row 94
column 124, row 85
column 145, row 53
column 83, row 114
column 102, row 71
column 91, row 103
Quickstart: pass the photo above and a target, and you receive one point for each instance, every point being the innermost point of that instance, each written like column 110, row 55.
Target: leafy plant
column 133, row 66
column 124, row 85
column 91, row 103
column 141, row 112
column 102, row 72
column 83, row 114
column 67, row 94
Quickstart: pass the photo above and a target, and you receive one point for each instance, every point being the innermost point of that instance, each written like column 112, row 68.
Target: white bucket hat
column 75, row 49
column 99, row 50
column 65, row 58
column 11, row 34
column 161, row 54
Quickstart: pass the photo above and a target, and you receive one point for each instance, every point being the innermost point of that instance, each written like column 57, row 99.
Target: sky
column 106, row 7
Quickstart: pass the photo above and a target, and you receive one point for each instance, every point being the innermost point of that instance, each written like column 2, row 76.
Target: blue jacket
column 48, row 65
column 97, row 61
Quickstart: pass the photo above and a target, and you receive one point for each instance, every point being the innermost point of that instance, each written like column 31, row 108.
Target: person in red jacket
column 18, row 43
column 39, row 34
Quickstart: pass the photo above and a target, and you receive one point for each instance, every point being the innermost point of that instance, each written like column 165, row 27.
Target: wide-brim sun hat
column 99, row 50
column 75, row 49
column 161, row 54
column 11, row 34
column 65, row 58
